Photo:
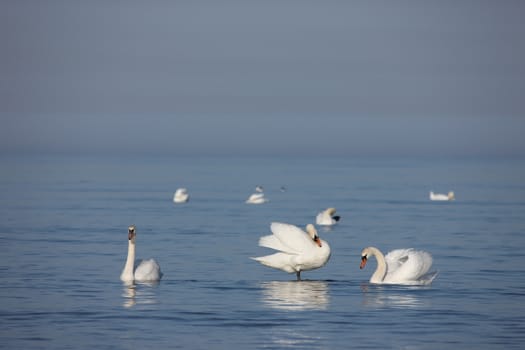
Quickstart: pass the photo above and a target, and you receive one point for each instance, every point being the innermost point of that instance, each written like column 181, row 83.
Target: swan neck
column 381, row 270
column 127, row 273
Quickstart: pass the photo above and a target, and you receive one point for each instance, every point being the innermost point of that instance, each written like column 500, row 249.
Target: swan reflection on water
column 294, row 339
column 387, row 296
column 295, row 295
column 141, row 293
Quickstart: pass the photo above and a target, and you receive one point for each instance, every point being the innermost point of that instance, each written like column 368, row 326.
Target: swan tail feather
column 276, row 261
column 429, row 277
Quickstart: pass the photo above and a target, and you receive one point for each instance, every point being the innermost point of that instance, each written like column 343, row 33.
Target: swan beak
column 130, row 235
column 318, row 241
column 363, row 262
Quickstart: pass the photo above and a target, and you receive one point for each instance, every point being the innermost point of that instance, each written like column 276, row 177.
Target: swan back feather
column 147, row 270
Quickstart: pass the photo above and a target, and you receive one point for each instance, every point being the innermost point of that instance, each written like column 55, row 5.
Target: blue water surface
column 63, row 244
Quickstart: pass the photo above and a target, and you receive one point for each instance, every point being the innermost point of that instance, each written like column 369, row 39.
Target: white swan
column 327, row 217
column 400, row 266
column 256, row 198
column 143, row 271
column 298, row 250
column 442, row 197
column 181, row 196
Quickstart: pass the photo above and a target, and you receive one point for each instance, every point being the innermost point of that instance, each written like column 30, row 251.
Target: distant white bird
column 181, row 196
column 257, row 197
column 400, row 266
column 135, row 271
column 298, row 250
column 327, row 217
column 442, row 197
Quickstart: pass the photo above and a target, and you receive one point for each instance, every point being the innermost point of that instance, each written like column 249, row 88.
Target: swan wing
column 407, row 265
column 256, row 198
column 292, row 237
column 323, row 218
column 395, row 259
column 280, row 261
column 273, row 242
column 438, row 197
column 148, row 270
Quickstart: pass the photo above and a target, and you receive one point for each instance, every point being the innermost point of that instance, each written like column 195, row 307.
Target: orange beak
column 363, row 262
column 318, row 241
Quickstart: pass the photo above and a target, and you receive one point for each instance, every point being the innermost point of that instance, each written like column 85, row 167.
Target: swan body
column 327, row 217
column 256, row 198
column 400, row 266
column 139, row 271
column 297, row 250
column 442, row 197
column 181, row 196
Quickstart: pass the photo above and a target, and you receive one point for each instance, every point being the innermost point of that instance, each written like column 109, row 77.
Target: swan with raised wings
column 327, row 217
column 400, row 266
column 139, row 271
column 297, row 250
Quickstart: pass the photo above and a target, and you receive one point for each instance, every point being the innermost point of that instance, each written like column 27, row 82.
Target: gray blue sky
column 263, row 77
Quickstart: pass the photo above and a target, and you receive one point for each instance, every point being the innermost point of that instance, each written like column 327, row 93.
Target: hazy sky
column 263, row 77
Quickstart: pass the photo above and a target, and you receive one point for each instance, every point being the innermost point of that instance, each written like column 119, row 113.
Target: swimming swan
column 400, row 266
column 257, row 198
column 143, row 271
column 442, row 197
column 181, row 196
column 298, row 250
column 327, row 217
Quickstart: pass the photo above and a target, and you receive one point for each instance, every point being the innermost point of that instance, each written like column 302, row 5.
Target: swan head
column 312, row 232
column 131, row 233
column 259, row 189
column 451, row 195
column 364, row 257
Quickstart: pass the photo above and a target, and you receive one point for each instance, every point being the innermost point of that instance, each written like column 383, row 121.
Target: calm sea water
column 63, row 243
